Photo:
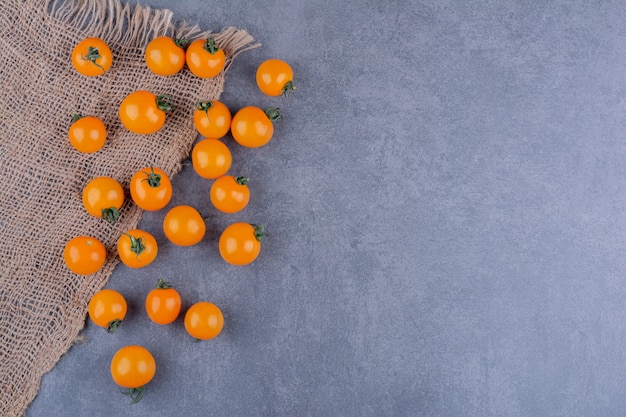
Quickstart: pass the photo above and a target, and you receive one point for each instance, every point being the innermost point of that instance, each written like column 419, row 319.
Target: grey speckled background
column 445, row 203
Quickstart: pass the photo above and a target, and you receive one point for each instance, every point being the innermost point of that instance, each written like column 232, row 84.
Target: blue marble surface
column 445, row 206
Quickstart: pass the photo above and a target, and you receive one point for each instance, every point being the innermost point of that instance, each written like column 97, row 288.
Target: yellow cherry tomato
column 240, row 243
column 253, row 127
column 87, row 134
column 204, row 320
column 107, row 309
column 230, row 194
column 144, row 112
column 184, row 226
column 204, row 58
column 212, row 119
column 92, row 57
column 103, row 197
column 165, row 56
column 211, row 158
column 133, row 367
column 275, row 77
column 137, row 248
column 84, row 255
column 163, row 303
column 150, row 188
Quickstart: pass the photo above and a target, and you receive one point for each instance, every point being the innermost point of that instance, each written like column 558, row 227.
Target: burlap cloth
column 42, row 304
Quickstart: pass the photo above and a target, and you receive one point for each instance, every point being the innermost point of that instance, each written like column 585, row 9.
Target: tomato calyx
column 163, row 285
column 204, row 106
column 135, row 394
column 259, row 231
column 76, row 117
column 288, row 88
column 110, row 214
column 210, row 46
column 242, row 180
column 273, row 113
column 165, row 102
column 92, row 55
column 181, row 43
column 154, row 179
column 136, row 244
column 113, row 325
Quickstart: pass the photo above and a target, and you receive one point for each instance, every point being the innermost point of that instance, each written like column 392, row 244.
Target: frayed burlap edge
column 137, row 25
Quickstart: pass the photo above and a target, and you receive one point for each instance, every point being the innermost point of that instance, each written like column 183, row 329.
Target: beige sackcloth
column 42, row 304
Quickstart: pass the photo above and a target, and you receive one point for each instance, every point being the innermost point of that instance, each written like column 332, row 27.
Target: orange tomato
column 212, row 119
column 87, row 134
column 137, row 248
column 165, row 56
column 163, row 303
column 84, row 255
column 107, row 308
column 275, row 77
column 150, row 188
column 252, row 127
column 240, row 243
column 103, row 197
column 204, row 58
column 184, row 226
column 133, row 367
column 230, row 194
column 211, row 158
column 143, row 112
column 204, row 320
column 92, row 57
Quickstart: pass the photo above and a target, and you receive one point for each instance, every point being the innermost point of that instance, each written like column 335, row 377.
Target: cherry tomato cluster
column 133, row 366
column 143, row 112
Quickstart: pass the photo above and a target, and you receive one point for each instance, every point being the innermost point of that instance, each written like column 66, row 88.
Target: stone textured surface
column 445, row 205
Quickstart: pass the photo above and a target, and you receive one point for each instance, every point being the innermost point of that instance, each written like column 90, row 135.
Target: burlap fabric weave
column 42, row 304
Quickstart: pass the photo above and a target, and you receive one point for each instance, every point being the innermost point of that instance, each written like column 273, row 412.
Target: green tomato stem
column 110, row 214
column 204, row 106
column 76, row 117
column 154, row 179
column 273, row 113
column 242, row 180
column 163, row 285
column 92, row 55
column 165, row 102
column 210, row 46
column 135, row 394
column 259, row 231
column 136, row 244
column 288, row 88
column 181, row 43
column 113, row 325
